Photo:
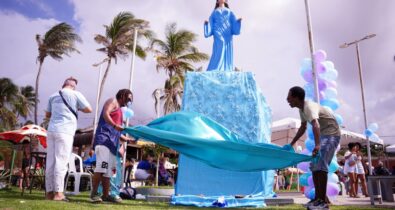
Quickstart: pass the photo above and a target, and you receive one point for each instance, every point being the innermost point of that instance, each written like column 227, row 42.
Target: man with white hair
column 62, row 113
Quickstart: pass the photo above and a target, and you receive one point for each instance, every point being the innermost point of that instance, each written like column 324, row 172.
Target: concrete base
column 279, row 201
column 157, row 198
column 154, row 191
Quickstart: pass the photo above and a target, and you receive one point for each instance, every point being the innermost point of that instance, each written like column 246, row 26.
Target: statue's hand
column 239, row 19
column 205, row 22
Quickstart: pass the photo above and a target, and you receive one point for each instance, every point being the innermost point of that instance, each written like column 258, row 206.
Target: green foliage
column 175, row 55
column 118, row 40
column 15, row 102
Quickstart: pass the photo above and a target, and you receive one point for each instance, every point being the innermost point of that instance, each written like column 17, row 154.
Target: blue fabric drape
column 222, row 26
column 203, row 139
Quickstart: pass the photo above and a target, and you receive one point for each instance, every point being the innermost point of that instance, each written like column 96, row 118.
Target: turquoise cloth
column 222, row 26
column 203, row 139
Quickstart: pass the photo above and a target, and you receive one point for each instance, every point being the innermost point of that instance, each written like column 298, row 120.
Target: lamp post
column 311, row 44
column 97, row 96
column 356, row 43
column 133, row 57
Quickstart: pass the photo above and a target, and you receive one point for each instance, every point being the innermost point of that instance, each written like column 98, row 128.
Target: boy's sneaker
column 96, row 199
column 320, row 204
column 311, row 202
column 112, row 199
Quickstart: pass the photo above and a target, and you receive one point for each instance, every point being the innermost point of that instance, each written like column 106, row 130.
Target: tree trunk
column 104, row 77
column 36, row 96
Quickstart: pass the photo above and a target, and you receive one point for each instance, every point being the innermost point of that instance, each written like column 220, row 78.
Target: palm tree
column 175, row 55
column 58, row 41
column 118, row 40
column 14, row 102
column 8, row 93
column 26, row 101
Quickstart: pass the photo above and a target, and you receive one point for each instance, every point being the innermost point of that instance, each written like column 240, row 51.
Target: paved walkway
column 299, row 198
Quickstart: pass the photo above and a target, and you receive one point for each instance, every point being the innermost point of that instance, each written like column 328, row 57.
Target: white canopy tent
column 285, row 129
column 390, row 148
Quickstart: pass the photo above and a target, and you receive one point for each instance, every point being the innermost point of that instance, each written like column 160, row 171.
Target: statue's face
column 221, row 1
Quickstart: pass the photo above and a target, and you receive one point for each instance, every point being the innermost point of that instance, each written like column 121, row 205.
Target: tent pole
column 12, row 163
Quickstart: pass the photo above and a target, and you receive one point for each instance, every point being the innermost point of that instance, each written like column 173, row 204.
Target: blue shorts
column 328, row 145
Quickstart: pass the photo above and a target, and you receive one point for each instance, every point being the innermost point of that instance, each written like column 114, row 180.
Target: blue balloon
column 127, row 113
column 339, row 119
column 303, row 179
column 309, row 88
column 332, row 177
column 333, row 166
column 310, row 144
column 311, row 194
column 373, row 127
column 330, row 92
column 331, row 103
column 368, row 132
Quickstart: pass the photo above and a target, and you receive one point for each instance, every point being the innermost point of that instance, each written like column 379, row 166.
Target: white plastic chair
column 77, row 175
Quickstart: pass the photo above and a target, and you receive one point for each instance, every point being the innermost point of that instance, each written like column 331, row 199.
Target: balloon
column 332, row 177
column 304, row 166
column 322, row 95
column 320, row 68
column 310, row 144
column 310, row 193
column 310, row 181
column 333, row 166
column 303, row 179
column 368, row 132
column 127, row 113
column 308, row 76
column 306, row 64
column 373, row 126
column 310, row 132
column 328, row 65
column 330, row 92
column 306, row 152
column 339, row 119
column 319, row 56
column 308, row 88
column 332, row 84
column 332, row 189
column 332, row 103
column 322, row 85
column 330, row 74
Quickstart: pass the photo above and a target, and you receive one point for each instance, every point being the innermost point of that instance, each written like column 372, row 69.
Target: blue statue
column 222, row 25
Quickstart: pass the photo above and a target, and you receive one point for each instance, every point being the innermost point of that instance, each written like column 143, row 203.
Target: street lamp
column 356, row 43
column 97, row 95
column 311, row 44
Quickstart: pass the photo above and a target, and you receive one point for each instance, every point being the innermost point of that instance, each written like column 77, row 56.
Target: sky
column 272, row 44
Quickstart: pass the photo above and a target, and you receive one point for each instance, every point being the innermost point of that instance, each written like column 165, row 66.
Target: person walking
column 62, row 112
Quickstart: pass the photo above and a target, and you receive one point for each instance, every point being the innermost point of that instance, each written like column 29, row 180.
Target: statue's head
column 218, row 2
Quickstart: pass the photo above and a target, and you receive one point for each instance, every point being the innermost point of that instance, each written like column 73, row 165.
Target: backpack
column 128, row 193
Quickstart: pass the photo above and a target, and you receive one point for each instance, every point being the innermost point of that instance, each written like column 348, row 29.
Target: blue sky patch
column 61, row 10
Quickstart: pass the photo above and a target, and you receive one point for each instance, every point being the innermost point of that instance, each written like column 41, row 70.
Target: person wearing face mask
column 108, row 134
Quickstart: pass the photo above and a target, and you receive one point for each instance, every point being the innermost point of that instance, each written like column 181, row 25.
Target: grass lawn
column 12, row 199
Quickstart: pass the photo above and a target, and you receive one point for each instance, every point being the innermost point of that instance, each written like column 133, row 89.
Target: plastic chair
column 77, row 174
column 36, row 171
